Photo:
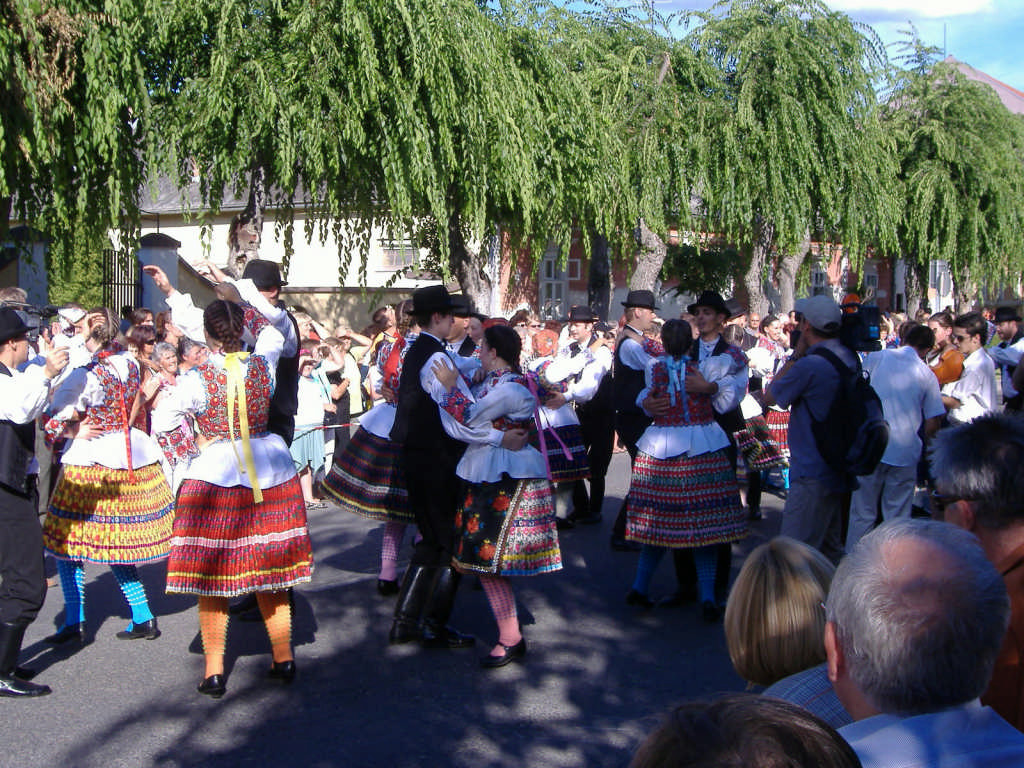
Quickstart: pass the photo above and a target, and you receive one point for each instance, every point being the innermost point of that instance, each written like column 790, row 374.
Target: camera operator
column 23, row 397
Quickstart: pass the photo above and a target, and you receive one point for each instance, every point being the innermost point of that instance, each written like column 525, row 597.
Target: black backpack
column 853, row 436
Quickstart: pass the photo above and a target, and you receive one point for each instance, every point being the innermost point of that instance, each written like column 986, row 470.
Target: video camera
column 33, row 314
column 859, row 329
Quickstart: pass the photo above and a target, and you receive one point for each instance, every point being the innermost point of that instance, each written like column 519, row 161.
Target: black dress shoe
column 404, row 632
column 12, row 686
column 213, row 686
column 564, row 524
column 711, row 612
column 620, row 544
column 387, row 588
column 147, row 630
column 68, row 633
column 446, row 637
column 639, row 599
column 283, row 671
column 512, row 653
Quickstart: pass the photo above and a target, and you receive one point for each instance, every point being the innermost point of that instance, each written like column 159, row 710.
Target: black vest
column 17, row 444
column 466, row 348
column 417, row 424
column 284, row 403
column 628, row 383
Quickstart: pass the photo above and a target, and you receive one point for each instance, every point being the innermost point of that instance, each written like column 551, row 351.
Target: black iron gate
column 122, row 283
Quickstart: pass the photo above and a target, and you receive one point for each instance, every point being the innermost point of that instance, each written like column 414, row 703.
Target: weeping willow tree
column 961, row 173
column 73, row 150
column 790, row 145
column 373, row 113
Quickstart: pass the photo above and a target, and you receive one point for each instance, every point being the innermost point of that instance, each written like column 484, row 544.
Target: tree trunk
column 246, row 229
column 6, row 204
column 915, row 283
column 599, row 284
column 753, row 280
column 650, row 260
column 789, row 265
column 468, row 267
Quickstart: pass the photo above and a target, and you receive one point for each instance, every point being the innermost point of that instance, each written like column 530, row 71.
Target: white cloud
column 914, row 8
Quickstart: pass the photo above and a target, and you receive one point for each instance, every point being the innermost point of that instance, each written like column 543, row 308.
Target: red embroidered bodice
column 697, row 404
column 213, row 421
column 118, row 398
column 391, row 370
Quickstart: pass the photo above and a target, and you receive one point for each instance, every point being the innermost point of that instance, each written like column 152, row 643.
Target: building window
column 939, row 279
column 553, row 285
column 398, row 253
column 819, row 282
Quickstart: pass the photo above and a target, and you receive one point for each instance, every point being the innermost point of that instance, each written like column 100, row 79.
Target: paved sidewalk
column 598, row 675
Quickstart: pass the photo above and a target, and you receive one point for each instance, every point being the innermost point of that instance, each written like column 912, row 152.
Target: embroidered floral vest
column 118, row 397
column 213, row 421
column 698, row 405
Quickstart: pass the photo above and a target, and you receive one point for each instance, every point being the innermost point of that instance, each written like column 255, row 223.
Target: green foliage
column 73, row 119
column 789, row 132
column 371, row 111
column 701, row 269
column 961, row 172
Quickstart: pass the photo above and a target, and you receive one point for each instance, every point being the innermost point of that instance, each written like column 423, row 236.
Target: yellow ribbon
column 236, row 391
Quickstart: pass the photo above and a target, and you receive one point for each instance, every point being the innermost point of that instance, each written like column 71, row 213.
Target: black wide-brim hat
column 461, row 306
column 264, row 274
column 12, row 324
column 712, row 300
column 580, row 314
column 432, row 298
column 642, row 299
column 1006, row 314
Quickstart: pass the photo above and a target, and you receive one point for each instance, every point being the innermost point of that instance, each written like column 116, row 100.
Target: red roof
column 1012, row 99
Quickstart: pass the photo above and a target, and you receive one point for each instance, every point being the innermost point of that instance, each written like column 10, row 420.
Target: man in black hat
column 23, row 396
column 1007, row 354
column 284, row 403
column 431, row 449
column 260, row 286
column 458, row 341
column 710, row 313
column 630, row 364
column 590, row 391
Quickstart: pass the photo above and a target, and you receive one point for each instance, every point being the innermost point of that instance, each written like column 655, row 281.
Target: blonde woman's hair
column 775, row 617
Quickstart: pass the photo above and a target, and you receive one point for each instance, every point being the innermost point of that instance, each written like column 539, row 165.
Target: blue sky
column 987, row 34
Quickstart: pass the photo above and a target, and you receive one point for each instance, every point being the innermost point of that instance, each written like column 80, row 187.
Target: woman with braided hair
column 683, row 493
column 241, row 521
column 111, row 504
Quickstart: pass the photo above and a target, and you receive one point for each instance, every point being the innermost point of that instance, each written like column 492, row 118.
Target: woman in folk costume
column 366, row 477
column 111, row 504
column 683, row 492
column 172, row 429
column 771, row 340
column 240, row 525
column 559, row 427
column 505, row 525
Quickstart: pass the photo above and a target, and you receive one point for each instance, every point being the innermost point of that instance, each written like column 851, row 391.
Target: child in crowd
column 308, row 447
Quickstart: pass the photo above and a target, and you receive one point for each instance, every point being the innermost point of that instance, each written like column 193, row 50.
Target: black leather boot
column 436, row 632
column 417, row 587
column 11, row 636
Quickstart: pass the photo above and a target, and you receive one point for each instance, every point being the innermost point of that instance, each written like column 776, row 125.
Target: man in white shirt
column 974, row 393
column 915, row 618
column 910, row 397
column 23, row 396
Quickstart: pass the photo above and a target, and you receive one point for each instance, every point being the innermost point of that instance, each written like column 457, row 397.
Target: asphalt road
column 598, row 674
